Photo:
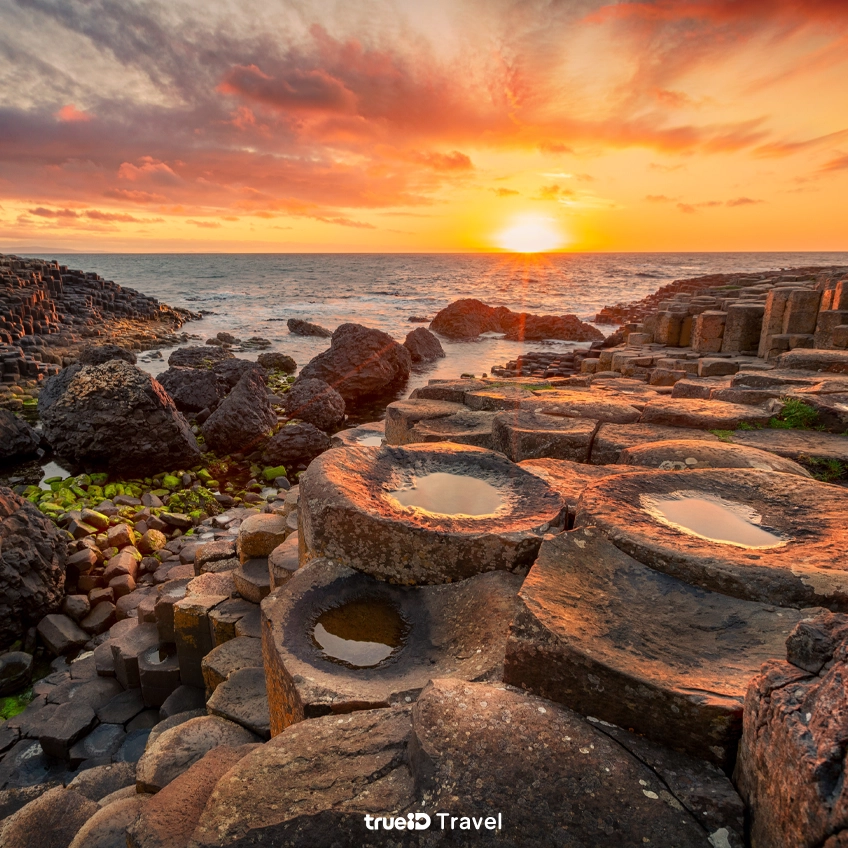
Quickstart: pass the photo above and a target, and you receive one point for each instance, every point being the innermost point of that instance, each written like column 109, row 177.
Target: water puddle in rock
column 450, row 494
column 157, row 655
column 370, row 441
column 711, row 517
column 361, row 633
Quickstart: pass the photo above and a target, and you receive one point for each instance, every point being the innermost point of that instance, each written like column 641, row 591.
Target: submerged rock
column 115, row 415
column 360, row 363
column 32, row 565
column 299, row 327
column 423, row 346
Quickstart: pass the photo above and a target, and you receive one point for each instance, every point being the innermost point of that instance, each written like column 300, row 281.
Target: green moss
column 12, row 705
column 723, row 435
column 169, row 481
column 795, row 415
column 825, row 470
column 195, row 500
column 271, row 474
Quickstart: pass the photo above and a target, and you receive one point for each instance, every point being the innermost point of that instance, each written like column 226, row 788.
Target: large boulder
column 199, row 356
column 274, row 361
column 116, row 415
column 468, row 318
column 32, row 565
column 360, row 363
column 316, row 402
column 791, row 765
column 423, row 346
column 243, row 419
column 17, row 438
column 98, row 354
column 295, row 442
column 230, row 371
column 191, row 389
column 299, row 327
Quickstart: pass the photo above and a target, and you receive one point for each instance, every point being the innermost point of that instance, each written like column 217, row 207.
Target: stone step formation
column 586, row 607
column 45, row 307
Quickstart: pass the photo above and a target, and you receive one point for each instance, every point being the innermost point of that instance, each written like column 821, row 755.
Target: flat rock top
column 804, row 565
column 694, row 412
column 649, row 626
column 571, row 478
column 416, row 409
column 689, row 455
column 361, row 480
column 574, row 404
column 542, row 419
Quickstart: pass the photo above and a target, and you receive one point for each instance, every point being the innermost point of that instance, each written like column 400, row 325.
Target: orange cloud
column 70, row 114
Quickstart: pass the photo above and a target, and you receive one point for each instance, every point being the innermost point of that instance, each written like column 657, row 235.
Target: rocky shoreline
column 567, row 645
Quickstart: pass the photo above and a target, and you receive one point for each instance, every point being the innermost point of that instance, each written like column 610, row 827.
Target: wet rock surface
column 423, row 346
column 118, row 416
column 457, row 630
column 798, row 565
column 348, row 514
column 595, row 621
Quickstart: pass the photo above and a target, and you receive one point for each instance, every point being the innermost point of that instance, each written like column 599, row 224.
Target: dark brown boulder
column 51, row 821
column 360, row 363
column 423, row 346
column 274, row 361
column 295, row 442
column 466, row 319
column 244, row 419
column 191, row 389
column 315, row 402
column 791, row 765
column 17, row 438
column 199, row 356
column 116, row 415
column 98, row 354
column 299, row 327
column 521, row 326
column 32, row 565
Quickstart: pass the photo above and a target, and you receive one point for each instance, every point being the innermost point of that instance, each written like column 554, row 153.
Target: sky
column 401, row 125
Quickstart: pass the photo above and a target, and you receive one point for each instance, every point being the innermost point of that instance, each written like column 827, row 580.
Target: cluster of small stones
column 173, row 700
column 48, row 311
column 546, row 363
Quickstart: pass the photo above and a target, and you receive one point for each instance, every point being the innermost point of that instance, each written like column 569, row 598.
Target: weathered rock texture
column 360, row 363
column 244, row 419
column 316, row 402
column 423, row 346
column 347, row 514
column 32, row 566
column 453, row 630
column 468, row 318
column 17, row 438
column 118, row 416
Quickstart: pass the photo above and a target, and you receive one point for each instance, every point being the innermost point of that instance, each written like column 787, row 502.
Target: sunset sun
column 530, row 234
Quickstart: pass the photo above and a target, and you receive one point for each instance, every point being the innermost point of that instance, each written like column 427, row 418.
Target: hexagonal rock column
column 465, row 427
column 775, row 538
column 454, row 630
column 701, row 414
column 586, row 404
column 493, row 518
column 470, row 750
column 403, row 415
column 611, row 439
column 689, row 455
column 611, row 638
column 526, row 434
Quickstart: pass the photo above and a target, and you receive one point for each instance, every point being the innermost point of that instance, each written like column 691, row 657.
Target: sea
column 255, row 294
